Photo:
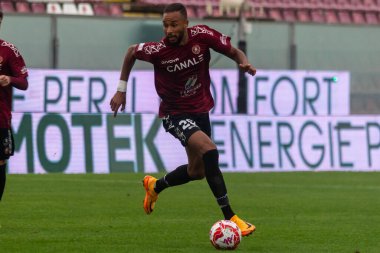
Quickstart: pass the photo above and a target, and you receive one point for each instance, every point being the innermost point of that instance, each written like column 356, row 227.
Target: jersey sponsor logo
column 170, row 61
column 154, row 48
column 197, row 29
column 196, row 49
column 223, row 39
column 185, row 64
column 11, row 46
column 191, row 86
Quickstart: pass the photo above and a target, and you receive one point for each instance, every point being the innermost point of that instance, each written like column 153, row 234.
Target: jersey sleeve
column 148, row 51
column 216, row 40
column 17, row 63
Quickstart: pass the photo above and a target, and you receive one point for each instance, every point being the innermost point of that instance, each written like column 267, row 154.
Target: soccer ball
column 225, row 234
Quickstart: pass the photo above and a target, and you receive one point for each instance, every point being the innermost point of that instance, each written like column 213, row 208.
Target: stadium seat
column 329, row 4
column 260, row 13
column 344, row 17
column 289, row 15
column 101, row 9
column 53, row 8
column 85, row 9
column 7, row 7
column 23, row 7
column 38, row 8
column 371, row 17
column 314, row 4
column 331, row 16
column 358, row 17
column 275, row 14
column 191, row 12
column 317, row 16
column 201, row 12
column 369, row 3
column 343, row 4
column 116, row 10
column 303, row 15
column 69, row 9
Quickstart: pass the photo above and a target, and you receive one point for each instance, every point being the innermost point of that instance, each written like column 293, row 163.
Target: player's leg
column 2, row 177
column 202, row 149
column 183, row 174
column 176, row 177
column 154, row 186
column 181, row 127
column 6, row 150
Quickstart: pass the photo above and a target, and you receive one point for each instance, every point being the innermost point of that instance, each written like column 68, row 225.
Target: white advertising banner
column 269, row 93
column 100, row 143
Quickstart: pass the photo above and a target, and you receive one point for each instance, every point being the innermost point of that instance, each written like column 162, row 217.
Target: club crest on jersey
column 196, row 49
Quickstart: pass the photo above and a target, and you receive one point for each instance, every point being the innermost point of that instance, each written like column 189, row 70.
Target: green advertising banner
column 100, row 143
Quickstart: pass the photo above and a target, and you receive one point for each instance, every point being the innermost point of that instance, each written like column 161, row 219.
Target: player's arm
column 241, row 59
column 119, row 99
column 20, row 83
column 18, row 70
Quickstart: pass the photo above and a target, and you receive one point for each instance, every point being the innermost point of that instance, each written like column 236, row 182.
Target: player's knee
column 196, row 171
column 211, row 161
column 197, row 175
column 207, row 147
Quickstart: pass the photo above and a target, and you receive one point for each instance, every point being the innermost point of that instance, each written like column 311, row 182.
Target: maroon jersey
column 181, row 73
column 11, row 64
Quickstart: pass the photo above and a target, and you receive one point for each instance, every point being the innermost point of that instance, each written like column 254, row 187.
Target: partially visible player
column 13, row 73
column 182, row 79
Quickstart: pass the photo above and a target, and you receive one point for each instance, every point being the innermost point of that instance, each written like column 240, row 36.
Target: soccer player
column 13, row 73
column 182, row 80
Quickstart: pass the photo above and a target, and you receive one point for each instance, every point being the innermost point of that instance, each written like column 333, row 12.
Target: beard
column 175, row 42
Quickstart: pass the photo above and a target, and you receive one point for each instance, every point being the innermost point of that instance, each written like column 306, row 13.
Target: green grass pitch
column 293, row 212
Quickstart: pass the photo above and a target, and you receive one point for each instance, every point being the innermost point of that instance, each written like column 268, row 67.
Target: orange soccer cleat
column 150, row 195
column 245, row 227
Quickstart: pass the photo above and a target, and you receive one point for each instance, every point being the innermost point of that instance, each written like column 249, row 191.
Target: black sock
column 176, row 177
column 2, row 179
column 216, row 182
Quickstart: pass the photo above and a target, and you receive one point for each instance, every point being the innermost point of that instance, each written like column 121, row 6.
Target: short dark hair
column 176, row 7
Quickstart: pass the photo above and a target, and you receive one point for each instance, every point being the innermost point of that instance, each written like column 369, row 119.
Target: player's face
column 174, row 27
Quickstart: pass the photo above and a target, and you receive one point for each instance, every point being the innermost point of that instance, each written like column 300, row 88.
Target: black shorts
column 7, row 146
column 182, row 126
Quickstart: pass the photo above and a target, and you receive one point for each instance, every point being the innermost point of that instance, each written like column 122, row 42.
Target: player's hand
column 4, row 80
column 248, row 68
column 119, row 99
